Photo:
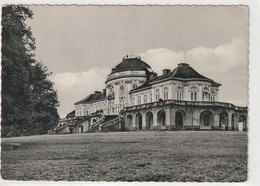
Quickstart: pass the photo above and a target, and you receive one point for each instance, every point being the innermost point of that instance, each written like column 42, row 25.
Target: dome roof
column 131, row 63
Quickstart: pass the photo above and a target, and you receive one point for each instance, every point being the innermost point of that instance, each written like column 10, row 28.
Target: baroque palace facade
column 135, row 98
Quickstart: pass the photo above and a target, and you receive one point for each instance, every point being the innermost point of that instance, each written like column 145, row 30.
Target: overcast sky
column 80, row 44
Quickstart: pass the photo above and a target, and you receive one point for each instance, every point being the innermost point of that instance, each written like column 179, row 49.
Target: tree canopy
column 29, row 102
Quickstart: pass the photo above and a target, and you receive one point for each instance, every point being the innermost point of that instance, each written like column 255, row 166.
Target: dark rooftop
column 182, row 72
column 72, row 113
column 130, row 63
column 96, row 96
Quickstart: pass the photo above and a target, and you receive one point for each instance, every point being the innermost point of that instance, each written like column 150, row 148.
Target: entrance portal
column 129, row 122
column 80, row 129
column 149, row 120
column 179, row 120
column 206, row 119
column 242, row 119
column 161, row 118
column 223, row 121
column 139, row 121
column 232, row 122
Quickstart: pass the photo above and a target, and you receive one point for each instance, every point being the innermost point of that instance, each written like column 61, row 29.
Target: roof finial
column 184, row 53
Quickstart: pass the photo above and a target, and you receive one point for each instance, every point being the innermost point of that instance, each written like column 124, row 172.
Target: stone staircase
column 107, row 124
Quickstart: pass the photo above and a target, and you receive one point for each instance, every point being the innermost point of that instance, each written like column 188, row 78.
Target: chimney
column 166, row 71
column 104, row 91
column 152, row 75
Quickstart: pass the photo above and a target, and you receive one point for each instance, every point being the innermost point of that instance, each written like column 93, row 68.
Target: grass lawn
column 219, row 156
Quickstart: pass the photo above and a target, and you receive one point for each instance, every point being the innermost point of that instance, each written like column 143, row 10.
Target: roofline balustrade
column 185, row 103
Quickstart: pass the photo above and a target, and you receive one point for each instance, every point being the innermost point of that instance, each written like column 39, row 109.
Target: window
column 205, row 96
column 151, row 98
column 139, row 100
column 133, row 101
column 134, row 86
column 193, row 96
column 165, row 95
column 145, row 98
column 213, row 99
column 157, row 97
column 122, row 87
column 179, row 95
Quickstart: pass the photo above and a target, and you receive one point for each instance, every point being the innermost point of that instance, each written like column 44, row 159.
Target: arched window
column 161, row 118
column 134, row 86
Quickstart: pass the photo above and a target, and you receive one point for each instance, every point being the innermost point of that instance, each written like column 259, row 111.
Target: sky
column 80, row 44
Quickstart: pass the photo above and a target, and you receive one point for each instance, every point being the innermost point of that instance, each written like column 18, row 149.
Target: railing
column 131, row 57
column 112, row 125
column 185, row 103
column 107, row 122
column 125, row 73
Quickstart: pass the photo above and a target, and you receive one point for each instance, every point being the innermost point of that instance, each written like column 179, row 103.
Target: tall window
column 165, row 95
column 179, row 95
column 133, row 101
column 193, row 96
column 139, row 100
column 157, row 97
column 205, row 96
column 213, row 99
column 145, row 98
column 122, row 103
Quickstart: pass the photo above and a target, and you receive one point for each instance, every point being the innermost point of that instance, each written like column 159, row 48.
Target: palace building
column 136, row 98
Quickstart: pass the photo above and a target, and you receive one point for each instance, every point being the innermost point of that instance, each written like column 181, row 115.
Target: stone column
column 216, row 122
column 170, row 91
column 143, row 121
column 167, row 118
column 229, row 121
column 134, row 122
column 172, row 118
column 236, row 120
column 199, row 96
column 155, row 124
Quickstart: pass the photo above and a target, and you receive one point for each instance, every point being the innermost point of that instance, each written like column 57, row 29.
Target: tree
column 22, row 76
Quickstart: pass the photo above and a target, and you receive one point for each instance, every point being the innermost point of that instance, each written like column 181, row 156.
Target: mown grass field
column 128, row 156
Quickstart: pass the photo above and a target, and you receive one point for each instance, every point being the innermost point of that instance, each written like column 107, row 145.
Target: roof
column 131, row 63
column 182, row 72
column 71, row 113
column 96, row 96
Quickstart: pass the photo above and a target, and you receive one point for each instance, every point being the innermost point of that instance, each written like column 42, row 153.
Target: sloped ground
column 128, row 156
